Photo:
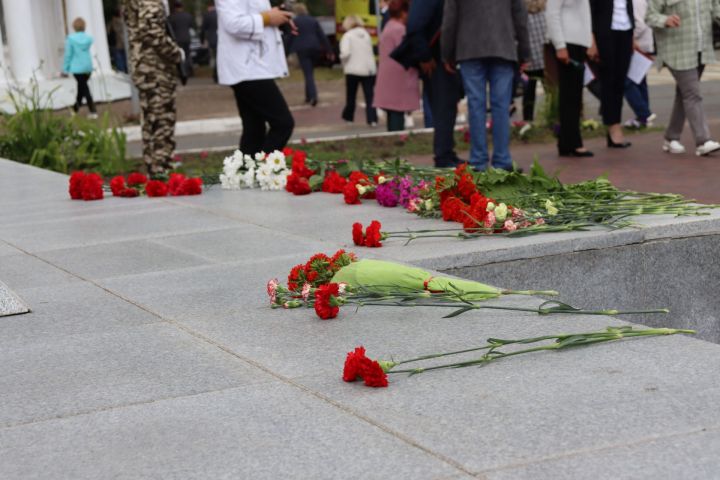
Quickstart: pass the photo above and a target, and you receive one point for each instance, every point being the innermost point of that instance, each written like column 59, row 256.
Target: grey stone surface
column 71, row 309
column 268, row 431
column 690, row 456
column 21, row 271
column 169, row 363
column 73, row 374
column 10, row 303
column 121, row 258
column 681, row 274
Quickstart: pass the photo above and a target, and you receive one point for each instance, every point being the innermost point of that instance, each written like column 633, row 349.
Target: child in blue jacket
column 78, row 62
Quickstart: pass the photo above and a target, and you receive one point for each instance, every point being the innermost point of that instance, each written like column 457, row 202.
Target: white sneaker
column 649, row 121
column 92, row 116
column 409, row 120
column 707, row 147
column 633, row 124
column 673, row 146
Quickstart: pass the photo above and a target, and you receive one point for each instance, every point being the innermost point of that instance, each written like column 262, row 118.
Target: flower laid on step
column 86, row 186
column 327, row 283
column 374, row 373
column 370, row 237
column 264, row 171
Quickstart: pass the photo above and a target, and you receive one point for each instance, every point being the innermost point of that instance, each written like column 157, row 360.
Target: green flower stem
column 561, row 341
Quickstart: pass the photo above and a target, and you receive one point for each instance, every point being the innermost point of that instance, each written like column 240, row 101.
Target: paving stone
column 112, row 228
column 70, row 309
column 73, row 374
column 528, row 408
column 10, row 303
column 247, row 242
column 22, row 271
column 121, row 258
column 691, row 456
column 267, row 431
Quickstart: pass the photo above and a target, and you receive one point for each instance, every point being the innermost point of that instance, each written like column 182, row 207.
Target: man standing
column 208, row 34
column 181, row 23
column 443, row 87
column 153, row 57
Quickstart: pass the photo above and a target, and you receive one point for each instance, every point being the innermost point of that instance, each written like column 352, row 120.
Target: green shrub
column 37, row 136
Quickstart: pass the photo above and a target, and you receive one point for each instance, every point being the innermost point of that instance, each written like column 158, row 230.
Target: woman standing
column 636, row 94
column 536, row 67
column 397, row 90
column 78, row 62
column 356, row 54
column 613, row 24
column 570, row 33
column 683, row 35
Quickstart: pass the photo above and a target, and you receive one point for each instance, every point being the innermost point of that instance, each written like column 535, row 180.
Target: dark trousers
column 307, row 64
column 570, row 83
column 444, row 91
column 260, row 102
column 83, row 92
column 351, row 86
column 529, row 94
column 188, row 61
column 395, row 120
column 615, row 53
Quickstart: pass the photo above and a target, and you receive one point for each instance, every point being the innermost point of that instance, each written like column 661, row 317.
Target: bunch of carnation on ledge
column 89, row 186
column 266, row 171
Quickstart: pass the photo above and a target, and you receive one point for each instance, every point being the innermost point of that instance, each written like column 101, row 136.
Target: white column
column 92, row 12
column 24, row 57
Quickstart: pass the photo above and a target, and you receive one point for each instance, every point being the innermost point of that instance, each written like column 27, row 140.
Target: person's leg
column 88, row 95
column 570, row 101
column 637, row 100
column 426, row 104
column 306, row 64
column 147, row 118
column 253, row 125
column 162, row 104
column 368, row 86
column 80, row 82
column 444, row 97
column 614, row 74
column 475, row 77
column 395, row 120
column 688, row 83
column 263, row 102
column 500, row 76
column 351, row 86
column 529, row 96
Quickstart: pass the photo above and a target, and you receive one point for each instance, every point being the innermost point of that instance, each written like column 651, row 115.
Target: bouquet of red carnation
column 298, row 182
column 358, row 186
column 86, row 186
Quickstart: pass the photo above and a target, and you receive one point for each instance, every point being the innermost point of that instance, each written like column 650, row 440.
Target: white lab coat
column 247, row 50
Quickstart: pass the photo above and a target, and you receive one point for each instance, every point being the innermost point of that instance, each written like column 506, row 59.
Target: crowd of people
column 430, row 54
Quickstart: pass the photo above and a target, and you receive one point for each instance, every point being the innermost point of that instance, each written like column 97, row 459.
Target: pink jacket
column 395, row 88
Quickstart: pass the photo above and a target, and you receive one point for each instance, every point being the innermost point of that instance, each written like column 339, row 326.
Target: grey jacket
column 484, row 28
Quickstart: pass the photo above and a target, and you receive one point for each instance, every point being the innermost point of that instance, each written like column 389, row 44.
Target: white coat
column 356, row 53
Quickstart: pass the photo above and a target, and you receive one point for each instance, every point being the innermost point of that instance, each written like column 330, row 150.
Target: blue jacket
column 423, row 28
column 310, row 37
column 77, row 53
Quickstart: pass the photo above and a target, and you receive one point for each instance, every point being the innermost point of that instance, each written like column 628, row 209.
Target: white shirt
column 247, row 50
column 568, row 22
column 620, row 19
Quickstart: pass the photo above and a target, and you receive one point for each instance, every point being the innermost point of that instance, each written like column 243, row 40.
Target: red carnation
column 175, row 183
column 341, row 259
column 353, row 361
column 92, row 187
column 357, row 233
column 129, row 192
column 351, row 194
column 117, row 185
column 325, row 304
column 190, row 186
column 77, row 179
column 358, row 365
column 297, row 185
column 136, row 178
column 372, row 373
column 296, row 277
column 358, row 176
column 156, row 188
column 333, row 183
column 373, row 236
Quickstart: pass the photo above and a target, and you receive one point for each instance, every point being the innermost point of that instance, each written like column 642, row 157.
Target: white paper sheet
column 640, row 65
column 589, row 76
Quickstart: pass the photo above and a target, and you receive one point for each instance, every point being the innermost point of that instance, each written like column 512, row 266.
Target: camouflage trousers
column 158, row 126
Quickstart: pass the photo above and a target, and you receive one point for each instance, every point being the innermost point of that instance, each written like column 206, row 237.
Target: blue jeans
column 638, row 99
column 477, row 74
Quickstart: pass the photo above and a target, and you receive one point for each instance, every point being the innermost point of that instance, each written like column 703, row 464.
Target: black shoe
column 612, row 144
column 313, row 102
column 576, row 153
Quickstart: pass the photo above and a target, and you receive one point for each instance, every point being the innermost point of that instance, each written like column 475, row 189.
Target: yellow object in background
column 365, row 9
